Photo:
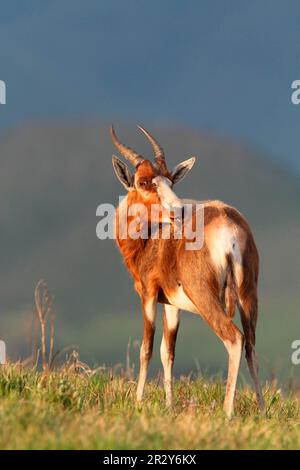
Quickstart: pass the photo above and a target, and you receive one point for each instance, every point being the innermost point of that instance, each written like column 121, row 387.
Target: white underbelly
column 180, row 300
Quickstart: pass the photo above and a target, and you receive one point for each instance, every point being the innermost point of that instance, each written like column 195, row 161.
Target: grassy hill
column 55, row 174
column 96, row 410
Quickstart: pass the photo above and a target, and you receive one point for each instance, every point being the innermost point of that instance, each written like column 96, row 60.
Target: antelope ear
column 122, row 172
column 182, row 169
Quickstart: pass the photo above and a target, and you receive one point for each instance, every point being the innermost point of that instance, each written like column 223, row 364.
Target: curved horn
column 158, row 151
column 133, row 157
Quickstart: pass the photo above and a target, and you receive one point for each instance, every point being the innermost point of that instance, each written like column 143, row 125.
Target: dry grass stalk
column 43, row 304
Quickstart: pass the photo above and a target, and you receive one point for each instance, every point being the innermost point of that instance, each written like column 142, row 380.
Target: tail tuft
column 230, row 288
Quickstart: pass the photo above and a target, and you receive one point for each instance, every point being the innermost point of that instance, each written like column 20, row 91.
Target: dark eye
column 143, row 183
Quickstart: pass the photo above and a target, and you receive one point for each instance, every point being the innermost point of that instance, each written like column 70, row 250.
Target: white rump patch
column 226, row 240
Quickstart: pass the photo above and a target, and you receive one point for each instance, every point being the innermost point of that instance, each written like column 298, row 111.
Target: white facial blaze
column 168, row 198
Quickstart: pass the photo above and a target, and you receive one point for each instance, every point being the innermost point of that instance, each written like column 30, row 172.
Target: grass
column 70, row 406
column 77, row 408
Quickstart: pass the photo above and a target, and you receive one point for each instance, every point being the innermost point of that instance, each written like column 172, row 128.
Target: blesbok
column 210, row 281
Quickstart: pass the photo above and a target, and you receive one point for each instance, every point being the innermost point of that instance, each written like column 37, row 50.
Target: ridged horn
column 133, row 157
column 158, row 151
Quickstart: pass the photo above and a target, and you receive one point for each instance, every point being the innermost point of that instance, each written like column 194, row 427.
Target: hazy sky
column 222, row 66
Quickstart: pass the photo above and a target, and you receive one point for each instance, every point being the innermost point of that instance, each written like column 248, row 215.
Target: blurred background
column 208, row 78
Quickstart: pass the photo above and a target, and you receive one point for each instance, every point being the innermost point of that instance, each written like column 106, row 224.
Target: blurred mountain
column 55, row 174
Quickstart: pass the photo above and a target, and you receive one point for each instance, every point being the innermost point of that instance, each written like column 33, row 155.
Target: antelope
column 211, row 281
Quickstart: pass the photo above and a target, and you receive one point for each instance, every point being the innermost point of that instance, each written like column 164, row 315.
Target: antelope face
column 166, row 195
column 152, row 181
column 143, row 181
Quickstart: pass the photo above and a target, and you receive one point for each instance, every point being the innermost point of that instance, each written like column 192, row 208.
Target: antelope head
column 152, row 180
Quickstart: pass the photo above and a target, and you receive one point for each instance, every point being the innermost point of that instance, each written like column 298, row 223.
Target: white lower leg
column 234, row 353
column 167, row 363
column 149, row 311
column 167, row 348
